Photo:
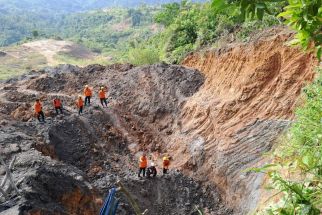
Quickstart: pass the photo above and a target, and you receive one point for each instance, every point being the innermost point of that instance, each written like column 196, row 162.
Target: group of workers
column 151, row 171
column 80, row 103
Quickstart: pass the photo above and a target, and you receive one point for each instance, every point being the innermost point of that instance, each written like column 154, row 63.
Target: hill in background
column 35, row 55
column 67, row 6
column 20, row 19
column 101, row 36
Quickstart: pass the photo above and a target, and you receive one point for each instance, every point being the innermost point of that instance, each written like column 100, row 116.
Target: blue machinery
column 111, row 203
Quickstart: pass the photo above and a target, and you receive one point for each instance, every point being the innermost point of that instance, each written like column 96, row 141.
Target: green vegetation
column 66, row 58
column 304, row 16
column 19, row 19
column 14, row 63
column 143, row 56
column 191, row 26
column 296, row 174
column 118, row 33
column 110, row 32
column 68, row 6
column 15, row 26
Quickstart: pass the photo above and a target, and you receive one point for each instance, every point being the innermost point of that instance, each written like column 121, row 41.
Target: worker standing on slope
column 88, row 95
column 58, row 106
column 143, row 164
column 38, row 111
column 166, row 164
column 102, row 96
column 80, row 104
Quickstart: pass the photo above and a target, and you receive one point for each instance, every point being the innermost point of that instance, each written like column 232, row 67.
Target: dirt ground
column 68, row 164
column 215, row 116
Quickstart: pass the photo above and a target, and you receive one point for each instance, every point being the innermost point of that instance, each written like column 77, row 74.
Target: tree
column 168, row 14
column 35, row 33
column 305, row 16
column 135, row 16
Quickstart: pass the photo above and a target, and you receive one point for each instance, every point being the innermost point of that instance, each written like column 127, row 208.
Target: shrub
column 296, row 173
column 143, row 56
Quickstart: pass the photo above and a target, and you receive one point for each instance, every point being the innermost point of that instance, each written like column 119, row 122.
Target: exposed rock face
column 247, row 100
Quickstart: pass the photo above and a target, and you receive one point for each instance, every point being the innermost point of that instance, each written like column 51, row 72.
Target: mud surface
column 68, row 164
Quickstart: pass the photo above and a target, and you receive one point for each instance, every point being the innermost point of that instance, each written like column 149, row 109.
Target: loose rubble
column 68, row 164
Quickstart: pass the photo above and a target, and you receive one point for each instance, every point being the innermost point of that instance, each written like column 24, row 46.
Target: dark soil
column 68, row 164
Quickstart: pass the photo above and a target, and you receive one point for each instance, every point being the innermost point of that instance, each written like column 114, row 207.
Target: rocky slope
column 67, row 165
column 247, row 100
column 215, row 120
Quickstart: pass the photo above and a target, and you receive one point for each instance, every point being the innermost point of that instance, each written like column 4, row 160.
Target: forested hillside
column 134, row 34
column 19, row 19
column 108, row 34
column 103, row 31
column 191, row 26
column 65, row 6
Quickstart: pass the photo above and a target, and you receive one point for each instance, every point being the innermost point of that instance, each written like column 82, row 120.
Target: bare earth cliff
column 247, row 100
column 215, row 115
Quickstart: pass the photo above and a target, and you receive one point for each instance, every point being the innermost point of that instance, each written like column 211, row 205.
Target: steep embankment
column 247, row 100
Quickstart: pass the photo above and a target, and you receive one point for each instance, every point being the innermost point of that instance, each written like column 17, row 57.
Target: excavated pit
column 97, row 149
column 215, row 122
column 68, row 164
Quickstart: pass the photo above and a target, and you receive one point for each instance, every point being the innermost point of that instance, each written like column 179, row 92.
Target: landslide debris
column 214, row 124
column 68, row 164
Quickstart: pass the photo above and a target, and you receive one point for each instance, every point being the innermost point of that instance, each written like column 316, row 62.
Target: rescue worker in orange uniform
column 58, row 106
column 102, row 96
column 80, row 104
column 38, row 111
column 88, row 95
column 166, row 164
column 143, row 163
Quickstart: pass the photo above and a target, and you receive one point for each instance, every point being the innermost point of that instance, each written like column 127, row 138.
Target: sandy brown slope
column 247, row 100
